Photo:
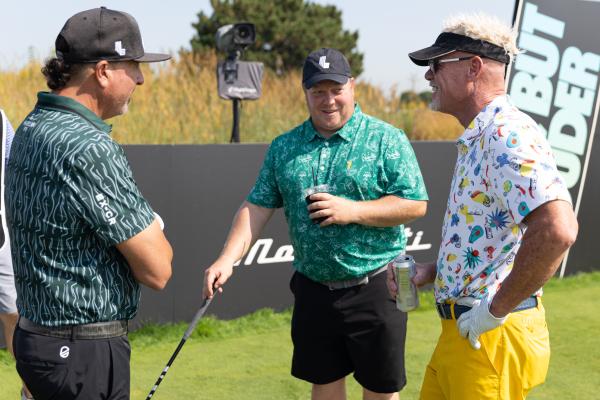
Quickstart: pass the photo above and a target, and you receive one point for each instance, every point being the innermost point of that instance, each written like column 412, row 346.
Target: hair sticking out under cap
column 484, row 27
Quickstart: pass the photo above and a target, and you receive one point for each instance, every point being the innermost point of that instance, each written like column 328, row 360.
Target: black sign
column 555, row 80
column 197, row 190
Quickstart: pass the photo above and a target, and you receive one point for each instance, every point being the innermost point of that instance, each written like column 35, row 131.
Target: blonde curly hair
column 484, row 27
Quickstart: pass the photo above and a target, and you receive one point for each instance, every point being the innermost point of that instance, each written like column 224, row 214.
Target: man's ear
column 475, row 67
column 102, row 73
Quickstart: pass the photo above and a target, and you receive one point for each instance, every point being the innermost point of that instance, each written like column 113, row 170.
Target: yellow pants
column 512, row 360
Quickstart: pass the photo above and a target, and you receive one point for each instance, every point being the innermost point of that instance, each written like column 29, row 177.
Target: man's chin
column 329, row 125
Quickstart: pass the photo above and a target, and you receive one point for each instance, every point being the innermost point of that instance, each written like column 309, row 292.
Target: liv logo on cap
column 323, row 62
column 119, row 48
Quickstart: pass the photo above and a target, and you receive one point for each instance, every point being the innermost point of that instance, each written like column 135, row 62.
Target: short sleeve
column 265, row 192
column 105, row 195
column 10, row 135
column 524, row 168
column 401, row 173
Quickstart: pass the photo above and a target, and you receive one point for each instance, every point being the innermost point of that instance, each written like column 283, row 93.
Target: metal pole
column 235, row 131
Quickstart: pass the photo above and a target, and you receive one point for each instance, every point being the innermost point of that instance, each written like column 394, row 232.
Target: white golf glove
column 477, row 321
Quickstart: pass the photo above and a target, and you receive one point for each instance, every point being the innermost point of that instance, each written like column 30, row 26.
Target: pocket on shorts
column 492, row 349
column 537, row 346
column 44, row 379
column 42, row 362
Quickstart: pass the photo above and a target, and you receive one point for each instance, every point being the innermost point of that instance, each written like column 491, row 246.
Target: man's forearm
column 552, row 229
column 245, row 229
column 389, row 211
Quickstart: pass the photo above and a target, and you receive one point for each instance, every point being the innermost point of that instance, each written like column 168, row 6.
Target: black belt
column 97, row 330
column 348, row 283
column 445, row 310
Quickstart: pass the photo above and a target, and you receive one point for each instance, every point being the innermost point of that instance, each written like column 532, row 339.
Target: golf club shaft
column 186, row 335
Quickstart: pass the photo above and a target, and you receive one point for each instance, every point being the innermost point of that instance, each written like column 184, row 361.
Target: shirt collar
column 484, row 118
column 347, row 132
column 55, row 102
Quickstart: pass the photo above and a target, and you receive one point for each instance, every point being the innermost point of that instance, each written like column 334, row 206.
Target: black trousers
column 65, row 369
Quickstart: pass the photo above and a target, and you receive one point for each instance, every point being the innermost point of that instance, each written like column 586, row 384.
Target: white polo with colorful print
column 505, row 170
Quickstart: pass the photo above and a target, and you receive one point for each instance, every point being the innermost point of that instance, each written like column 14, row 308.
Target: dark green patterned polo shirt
column 70, row 197
column 365, row 160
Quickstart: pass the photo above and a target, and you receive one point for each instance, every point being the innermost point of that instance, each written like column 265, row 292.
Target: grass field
column 249, row 357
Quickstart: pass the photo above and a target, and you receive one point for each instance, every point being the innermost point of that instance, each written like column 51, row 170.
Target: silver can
column 407, row 297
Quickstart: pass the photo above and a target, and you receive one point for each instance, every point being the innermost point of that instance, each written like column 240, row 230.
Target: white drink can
column 407, row 297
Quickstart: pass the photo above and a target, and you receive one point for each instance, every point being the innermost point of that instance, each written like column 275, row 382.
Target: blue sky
column 388, row 29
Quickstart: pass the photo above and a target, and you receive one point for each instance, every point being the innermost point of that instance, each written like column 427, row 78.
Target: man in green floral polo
column 368, row 184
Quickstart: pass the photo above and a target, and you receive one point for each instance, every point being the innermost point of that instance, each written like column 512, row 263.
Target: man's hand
column 425, row 273
column 335, row 210
column 215, row 276
column 477, row 321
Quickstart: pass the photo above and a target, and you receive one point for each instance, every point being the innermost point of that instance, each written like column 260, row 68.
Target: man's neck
column 476, row 104
column 86, row 99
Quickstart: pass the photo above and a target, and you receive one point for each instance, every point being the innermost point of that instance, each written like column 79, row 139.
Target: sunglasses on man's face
column 434, row 64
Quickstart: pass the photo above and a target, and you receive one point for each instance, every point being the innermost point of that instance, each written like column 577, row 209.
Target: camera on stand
column 237, row 80
column 235, row 37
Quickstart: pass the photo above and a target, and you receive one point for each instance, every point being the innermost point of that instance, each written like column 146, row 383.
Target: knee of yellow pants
column 513, row 359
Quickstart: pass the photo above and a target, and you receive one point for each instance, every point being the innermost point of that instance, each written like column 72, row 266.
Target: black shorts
column 55, row 368
column 358, row 329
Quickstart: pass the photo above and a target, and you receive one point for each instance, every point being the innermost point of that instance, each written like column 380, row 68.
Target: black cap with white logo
column 102, row 34
column 325, row 64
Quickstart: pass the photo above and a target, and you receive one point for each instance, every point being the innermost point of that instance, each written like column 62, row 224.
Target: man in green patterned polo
column 347, row 182
column 83, row 236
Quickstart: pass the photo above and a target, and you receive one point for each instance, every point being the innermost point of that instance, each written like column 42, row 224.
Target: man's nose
column 429, row 74
column 329, row 98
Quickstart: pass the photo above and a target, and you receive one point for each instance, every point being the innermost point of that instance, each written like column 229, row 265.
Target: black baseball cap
column 448, row 42
column 325, row 64
column 102, row 34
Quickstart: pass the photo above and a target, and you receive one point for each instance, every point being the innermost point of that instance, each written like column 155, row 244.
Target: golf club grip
column 197, row 317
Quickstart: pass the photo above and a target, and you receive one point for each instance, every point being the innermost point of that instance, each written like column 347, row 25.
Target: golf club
column 186, row 335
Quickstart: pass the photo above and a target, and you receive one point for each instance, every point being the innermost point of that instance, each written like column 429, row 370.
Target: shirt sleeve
column 265, row 192
column 105, row 195
column 401, row 173
column 525, row 172
column 10, row 134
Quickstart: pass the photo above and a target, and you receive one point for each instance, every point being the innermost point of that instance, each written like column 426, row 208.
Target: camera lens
column 244, row 32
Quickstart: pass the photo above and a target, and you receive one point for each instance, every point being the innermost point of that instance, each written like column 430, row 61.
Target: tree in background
column 286, row 31
column 412, row 99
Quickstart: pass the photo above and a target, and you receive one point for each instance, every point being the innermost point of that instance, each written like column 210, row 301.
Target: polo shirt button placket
column 324, row 155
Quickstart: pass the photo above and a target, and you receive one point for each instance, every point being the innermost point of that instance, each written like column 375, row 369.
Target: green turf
column 250, row 357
